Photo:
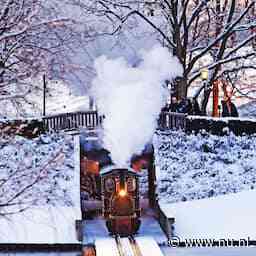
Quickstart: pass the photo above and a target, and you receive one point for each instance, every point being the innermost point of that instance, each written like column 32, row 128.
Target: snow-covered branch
column 191, row 29
column 15, row 96
column 34, row 172
column 35, row 39
column 196, row 73
column 226, row 33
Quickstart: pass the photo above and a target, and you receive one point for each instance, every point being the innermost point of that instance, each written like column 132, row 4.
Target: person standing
column 174, row 104
column 228, row 108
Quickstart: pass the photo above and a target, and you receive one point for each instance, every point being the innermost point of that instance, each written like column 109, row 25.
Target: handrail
column 91, row 119
column 73, row 120
column 172, row 120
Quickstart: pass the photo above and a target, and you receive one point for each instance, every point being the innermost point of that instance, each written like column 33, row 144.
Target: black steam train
column 111, row 190
column 121, row 202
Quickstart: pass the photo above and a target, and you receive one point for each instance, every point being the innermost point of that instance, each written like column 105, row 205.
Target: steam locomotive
column 120, row 197
column 112, row 190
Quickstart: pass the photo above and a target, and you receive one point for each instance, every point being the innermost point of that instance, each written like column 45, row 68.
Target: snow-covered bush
column 35, row 172
column 203, row 165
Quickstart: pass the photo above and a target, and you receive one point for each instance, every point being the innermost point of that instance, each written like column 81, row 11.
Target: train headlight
column 122, row 193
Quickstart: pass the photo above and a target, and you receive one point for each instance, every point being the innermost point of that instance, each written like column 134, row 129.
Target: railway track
column 127, row 246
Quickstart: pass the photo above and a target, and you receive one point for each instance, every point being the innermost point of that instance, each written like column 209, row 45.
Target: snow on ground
column 40, row 225
column 248, row 110
column 203, row 165
column 148, row 246
column 62, row 100
column 220, row 171
column 38, row 178
column 223, row 217
column 59, row 99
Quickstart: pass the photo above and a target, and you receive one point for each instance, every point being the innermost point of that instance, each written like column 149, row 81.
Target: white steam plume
column 131, row 99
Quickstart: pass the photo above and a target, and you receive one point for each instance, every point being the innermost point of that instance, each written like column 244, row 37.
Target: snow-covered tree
column 34, row 40
column 191, row 29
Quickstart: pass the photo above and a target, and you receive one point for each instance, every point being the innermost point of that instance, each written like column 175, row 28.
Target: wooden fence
column 172, row 120
column 91, row 119
column 70, row 121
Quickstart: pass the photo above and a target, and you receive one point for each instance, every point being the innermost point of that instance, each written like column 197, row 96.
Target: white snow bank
column 248, row 110
column 41, row 225
column 224, row 217
column 199, row 166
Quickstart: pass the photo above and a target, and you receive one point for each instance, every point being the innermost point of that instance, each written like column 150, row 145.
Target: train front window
column 131, row 184
column 110, row 185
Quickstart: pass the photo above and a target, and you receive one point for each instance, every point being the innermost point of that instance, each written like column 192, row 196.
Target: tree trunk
column 181, row 88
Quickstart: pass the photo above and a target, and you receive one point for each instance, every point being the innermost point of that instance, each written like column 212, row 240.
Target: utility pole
column 44, row 94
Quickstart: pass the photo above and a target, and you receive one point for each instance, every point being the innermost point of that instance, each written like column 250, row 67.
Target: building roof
column 117, row 169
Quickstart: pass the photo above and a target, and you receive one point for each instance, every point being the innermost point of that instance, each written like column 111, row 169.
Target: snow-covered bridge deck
column 127, row 246
column 96, row 228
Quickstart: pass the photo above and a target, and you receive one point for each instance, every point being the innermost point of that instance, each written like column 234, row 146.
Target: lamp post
column 204, row 74
column 204, row 77
column 2, row 69
column 44, row 95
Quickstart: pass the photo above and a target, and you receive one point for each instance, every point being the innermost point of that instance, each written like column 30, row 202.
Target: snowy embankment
column 224, row 217
column 206, row 167
column 203, row 165
column 39, row 190
column 248, row 110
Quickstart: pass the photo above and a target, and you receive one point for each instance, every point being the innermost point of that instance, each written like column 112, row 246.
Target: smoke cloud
column 131, row 99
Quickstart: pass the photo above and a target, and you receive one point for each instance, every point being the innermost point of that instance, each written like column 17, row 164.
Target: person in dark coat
column 228, row 108
column 185, row 106
column 174, row 104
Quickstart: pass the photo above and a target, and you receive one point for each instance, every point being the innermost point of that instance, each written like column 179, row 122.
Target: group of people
column 191, row 107
column 185, row 105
